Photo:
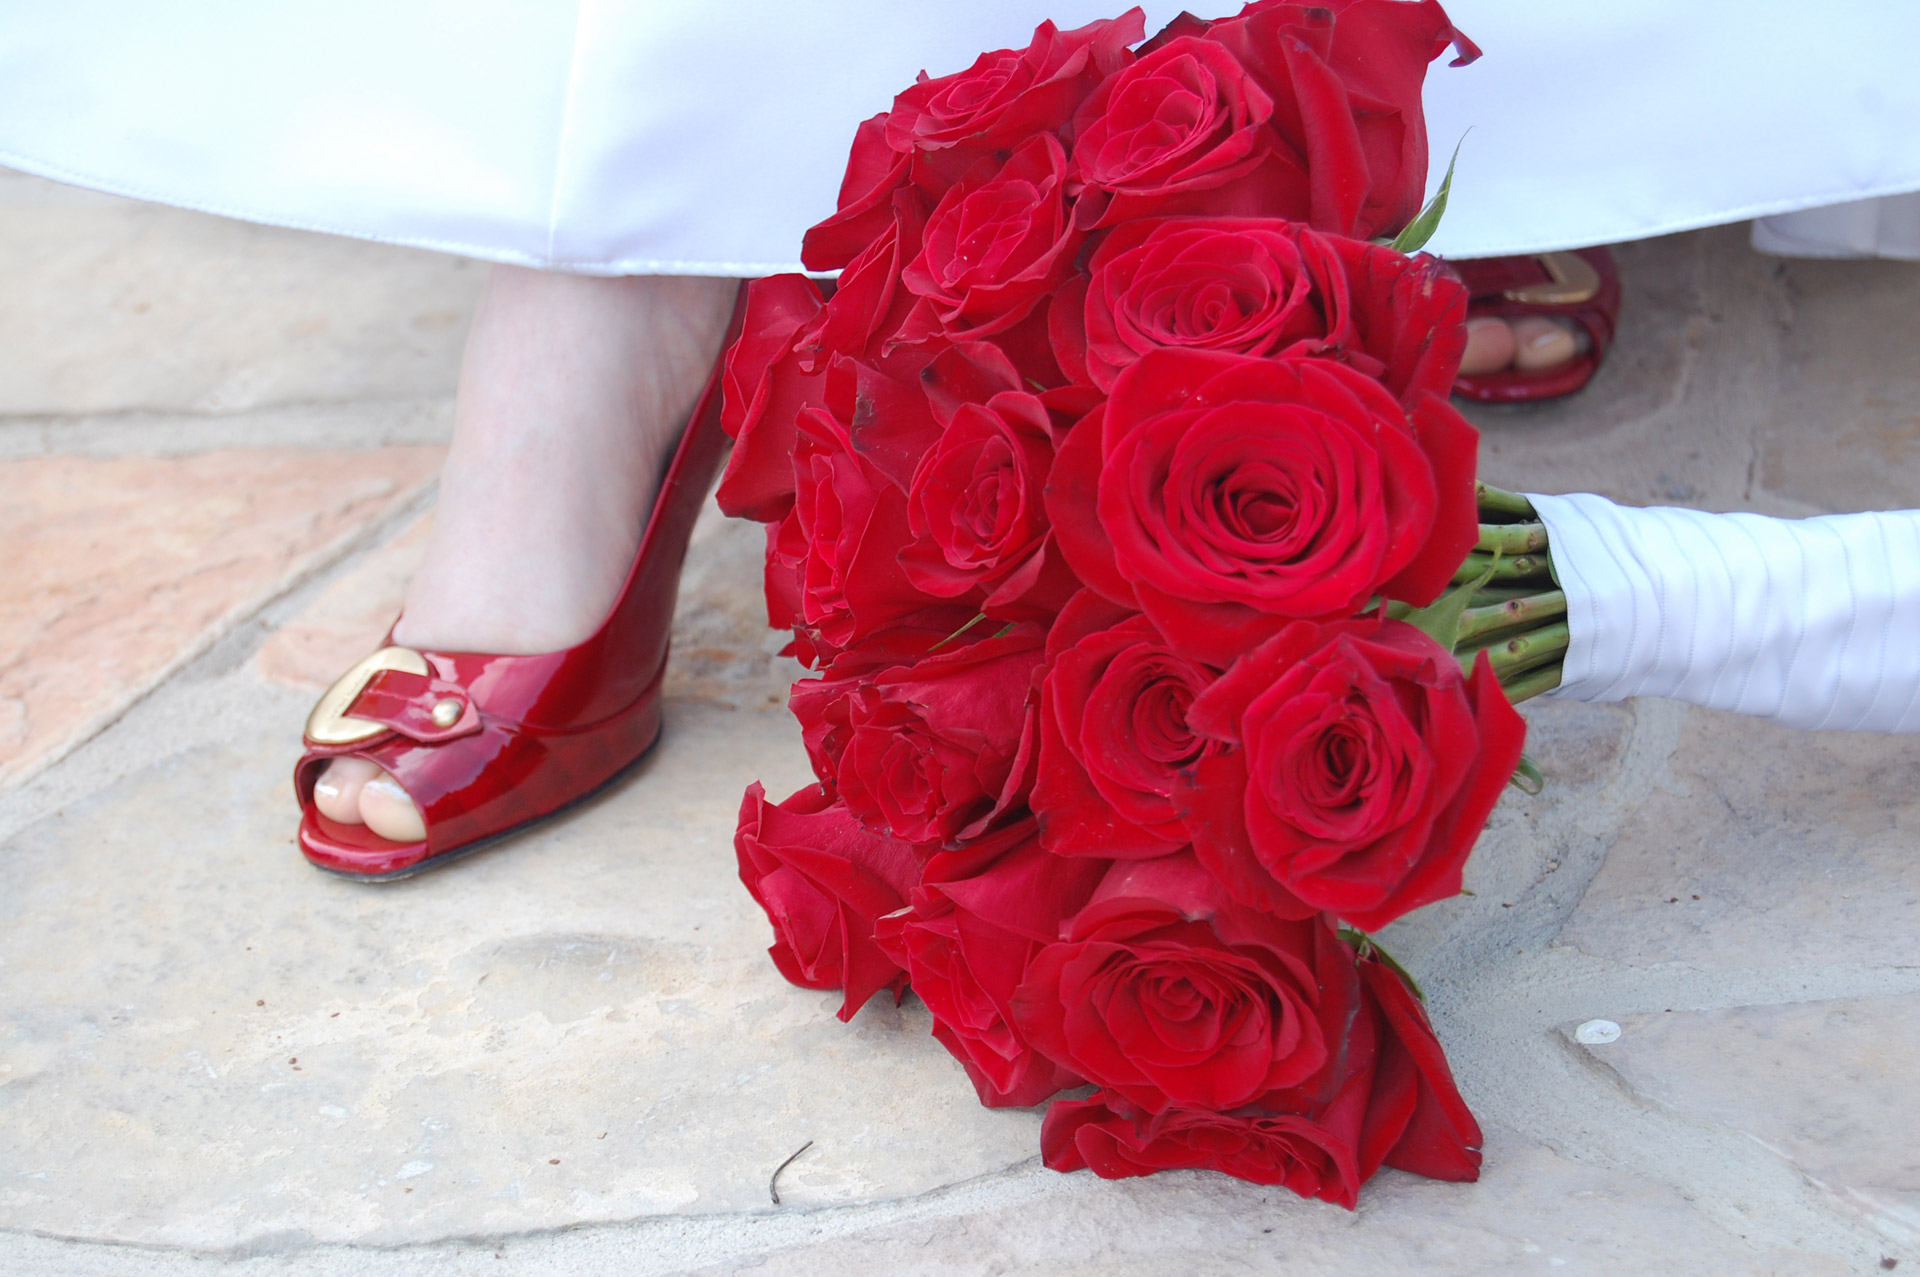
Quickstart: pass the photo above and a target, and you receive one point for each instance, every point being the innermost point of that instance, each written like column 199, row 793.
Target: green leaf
column 1440, row 620
column 1527, row 778
column 1421, row 228
column 1365, row 946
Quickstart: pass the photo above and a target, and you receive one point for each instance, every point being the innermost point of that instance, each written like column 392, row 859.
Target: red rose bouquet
column 1162, row 651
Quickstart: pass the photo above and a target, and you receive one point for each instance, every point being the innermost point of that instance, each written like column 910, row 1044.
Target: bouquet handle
column 1813, row 623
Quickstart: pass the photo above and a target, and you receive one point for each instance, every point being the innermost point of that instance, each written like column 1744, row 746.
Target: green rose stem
column 1511, row 539
column 1520, row 610
column 1498, row 502
column 1533, row 683
column 1520, row 653
column 1516, row 615
column 1523, row 568
column 1489, row 595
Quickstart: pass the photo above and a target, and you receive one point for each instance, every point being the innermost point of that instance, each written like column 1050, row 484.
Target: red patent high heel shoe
column 1581, row 286
column 487, row 745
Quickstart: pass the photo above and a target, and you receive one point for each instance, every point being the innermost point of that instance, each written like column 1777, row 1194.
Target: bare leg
column 573, row 390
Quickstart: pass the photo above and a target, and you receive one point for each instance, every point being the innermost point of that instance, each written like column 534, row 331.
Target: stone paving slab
column 118, row 568
column 263, row 1049
column 1815, row 1082
column 1761, row 846
column 117, row 306
column 348, row 619
column 213, row 1059
column 1535, row 1212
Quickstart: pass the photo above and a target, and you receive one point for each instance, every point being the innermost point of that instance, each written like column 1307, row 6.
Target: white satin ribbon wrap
column 1814, row 623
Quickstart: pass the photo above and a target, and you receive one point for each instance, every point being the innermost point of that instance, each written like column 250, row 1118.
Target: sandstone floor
column 217, row 446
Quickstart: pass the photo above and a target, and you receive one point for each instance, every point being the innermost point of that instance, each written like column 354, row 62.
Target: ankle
column 573, row 393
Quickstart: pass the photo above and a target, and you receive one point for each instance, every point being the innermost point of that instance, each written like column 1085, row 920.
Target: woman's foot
column 1530, row 343
column 573, row 392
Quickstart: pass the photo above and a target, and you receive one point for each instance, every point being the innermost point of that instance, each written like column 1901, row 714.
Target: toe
column 337, row 792
column 1490, row 346
column 1542, row 342
column 388, row 812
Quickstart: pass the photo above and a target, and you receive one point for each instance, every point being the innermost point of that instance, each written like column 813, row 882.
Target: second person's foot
column 1529, row 343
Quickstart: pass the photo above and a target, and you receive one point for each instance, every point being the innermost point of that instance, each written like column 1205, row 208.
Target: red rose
column 1104, row 1135
column 978, row 917
column 1230, row 494
column 1008, row 96
column 823, row 706
column 1363, row 770
column 1169, row 995
column 1260, row 286
column 1406, row 313
column 763, row 390
column 996, row 245
column 833, row 564
column 868, row 305
column 1113, row 734
column 976, row 504
column 823, row 880
column 1416, row 1120
column 874, row 172
column 940, row 749
column 1184, row 120
column 1389, row 1099
column 850, row 520
column 1345, row 77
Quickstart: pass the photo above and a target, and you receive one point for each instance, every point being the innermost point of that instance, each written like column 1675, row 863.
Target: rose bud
column 978, row 917
column 1225, row 495
column 823, row 880
column 1113, row 734
column 1170, row 996
column 1362, row 770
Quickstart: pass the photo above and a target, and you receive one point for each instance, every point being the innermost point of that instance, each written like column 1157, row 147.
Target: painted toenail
column 1543, row 343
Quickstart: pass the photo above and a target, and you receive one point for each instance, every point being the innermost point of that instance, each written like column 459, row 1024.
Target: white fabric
column 1814, row 623
column 628, row 136
column 1886, row 227
column 597, row 136
column 1598, row 123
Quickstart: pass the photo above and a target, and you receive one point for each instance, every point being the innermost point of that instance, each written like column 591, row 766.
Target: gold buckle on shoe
column 329, row 723
column 1572, row 280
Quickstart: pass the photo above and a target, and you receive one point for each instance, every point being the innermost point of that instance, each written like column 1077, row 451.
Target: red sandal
column 487, row 745
column 1581, row 285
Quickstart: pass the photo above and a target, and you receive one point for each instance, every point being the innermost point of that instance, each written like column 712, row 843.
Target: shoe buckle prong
column 330, row 724
column 1572, row 280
